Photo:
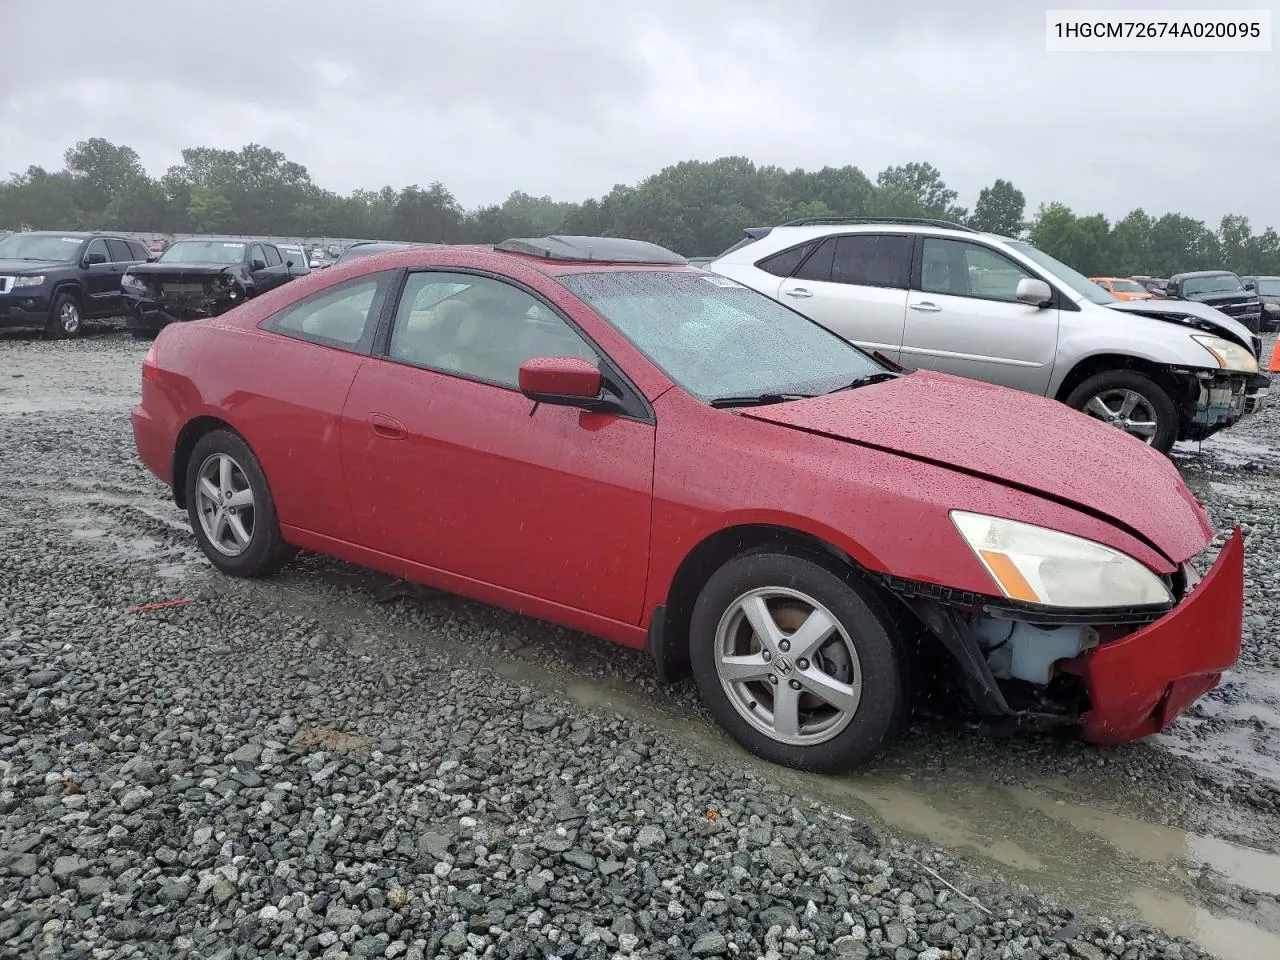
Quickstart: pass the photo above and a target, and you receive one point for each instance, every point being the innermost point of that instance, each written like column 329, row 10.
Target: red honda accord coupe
column 590, row 431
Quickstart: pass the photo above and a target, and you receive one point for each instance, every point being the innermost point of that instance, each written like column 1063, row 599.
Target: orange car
column 1122, row 288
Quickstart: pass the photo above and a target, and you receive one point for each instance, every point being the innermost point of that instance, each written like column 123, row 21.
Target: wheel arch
column 1103, row 362
column 188, row 437
column 69, row 285
column 668, row 635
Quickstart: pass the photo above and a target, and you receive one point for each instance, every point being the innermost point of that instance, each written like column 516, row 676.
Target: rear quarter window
column 784, row 264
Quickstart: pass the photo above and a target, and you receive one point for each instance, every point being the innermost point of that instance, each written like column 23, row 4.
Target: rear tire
column 231, row 509
column 66, row 318
column 826, row 686
column 1131, row 402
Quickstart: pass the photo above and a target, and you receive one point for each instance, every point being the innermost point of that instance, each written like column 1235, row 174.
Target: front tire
column 1131, row 402
column 231, row 509
column 798, row 661
column 66, row 318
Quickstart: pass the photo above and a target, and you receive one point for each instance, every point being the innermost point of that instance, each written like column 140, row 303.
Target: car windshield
column 25, row 246
column 369, row 250
column 203, row 251
column 1217, row 283
column 1127, row 286
column 1074, row 279
column 716, row 338
column 1269, row 288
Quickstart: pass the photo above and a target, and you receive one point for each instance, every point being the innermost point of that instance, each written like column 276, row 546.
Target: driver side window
column 97, row 247
column 478, row 327
column 964, row 269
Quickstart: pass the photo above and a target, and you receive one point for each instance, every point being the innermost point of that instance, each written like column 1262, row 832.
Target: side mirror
column 289, row 264
column 561, row 381
column 1250, row 286
column 152, row 257
column 95, row 257
column 1033, row 292
column 258, row 265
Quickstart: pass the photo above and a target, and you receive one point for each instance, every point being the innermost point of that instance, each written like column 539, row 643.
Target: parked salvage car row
column 591, row 431
column 1254, row 301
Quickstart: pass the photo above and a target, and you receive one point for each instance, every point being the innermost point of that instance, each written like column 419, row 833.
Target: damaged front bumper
column 151, row 315
column 1218, row 400
column 1116, row 675
column 1139, row 684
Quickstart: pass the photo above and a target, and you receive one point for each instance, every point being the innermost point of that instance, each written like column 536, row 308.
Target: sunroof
column 590, row 249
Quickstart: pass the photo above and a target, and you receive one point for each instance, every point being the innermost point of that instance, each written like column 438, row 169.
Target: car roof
column 493, row 257
column 218, row 240
column 1202, row 273
column 70, row 234
column 580, row 249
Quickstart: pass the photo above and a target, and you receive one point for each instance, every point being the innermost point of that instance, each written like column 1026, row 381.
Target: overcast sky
column 569, row 97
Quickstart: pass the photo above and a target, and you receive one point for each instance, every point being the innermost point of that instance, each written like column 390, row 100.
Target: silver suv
column 941, row 296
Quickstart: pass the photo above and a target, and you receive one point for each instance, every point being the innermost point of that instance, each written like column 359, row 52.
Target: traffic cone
column 1274, row 365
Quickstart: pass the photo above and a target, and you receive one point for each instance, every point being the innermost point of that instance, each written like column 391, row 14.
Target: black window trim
column 1059, row 300
column 813, row 242
column 363, row 347
column 822, row 242
column 124, row 243
column 89, row 245
column 634, row 404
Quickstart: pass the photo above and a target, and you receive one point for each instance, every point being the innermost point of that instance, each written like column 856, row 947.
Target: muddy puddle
column 1114, row 864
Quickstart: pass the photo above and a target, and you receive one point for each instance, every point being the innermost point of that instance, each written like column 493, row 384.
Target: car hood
column 1177, row 311
column 11, row 267
column 171, row 271
column 1016, row 439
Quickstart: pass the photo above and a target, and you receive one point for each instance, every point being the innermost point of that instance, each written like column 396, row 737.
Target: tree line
column 697, row 208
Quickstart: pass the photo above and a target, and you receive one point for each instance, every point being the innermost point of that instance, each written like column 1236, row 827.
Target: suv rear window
column 872, row 260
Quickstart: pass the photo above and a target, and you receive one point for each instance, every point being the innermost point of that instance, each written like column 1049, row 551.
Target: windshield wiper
column 867, row 380
column 757, row 399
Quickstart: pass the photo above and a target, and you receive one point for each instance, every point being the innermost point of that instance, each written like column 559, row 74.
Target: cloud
column 568, row 98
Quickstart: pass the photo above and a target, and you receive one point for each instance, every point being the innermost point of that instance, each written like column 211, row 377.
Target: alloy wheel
column 1125, row 410
column 69, row 318
column 225, row 504
column 787, row 665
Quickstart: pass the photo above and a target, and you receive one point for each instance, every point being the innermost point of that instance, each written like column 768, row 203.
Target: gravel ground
column 329, row 763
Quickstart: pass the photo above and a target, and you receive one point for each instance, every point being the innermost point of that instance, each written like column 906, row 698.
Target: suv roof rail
column 917, row 221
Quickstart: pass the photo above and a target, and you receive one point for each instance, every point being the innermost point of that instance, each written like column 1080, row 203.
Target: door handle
column 387, row 427
column 925, row 306
column 798, row 292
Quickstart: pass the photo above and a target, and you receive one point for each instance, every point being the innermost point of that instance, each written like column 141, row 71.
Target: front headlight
column 1229, row 354
column 130, row 282
column 1271, row 307
column 28, row 282
column 1047, row 567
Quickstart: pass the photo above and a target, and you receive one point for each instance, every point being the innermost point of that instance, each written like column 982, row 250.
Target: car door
column 290, row 409
column 101, row 280
column 450, row 467
column 963, row 317
column 856, row 286
column 122, row 258
column 263, row 278
column 276, row 267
